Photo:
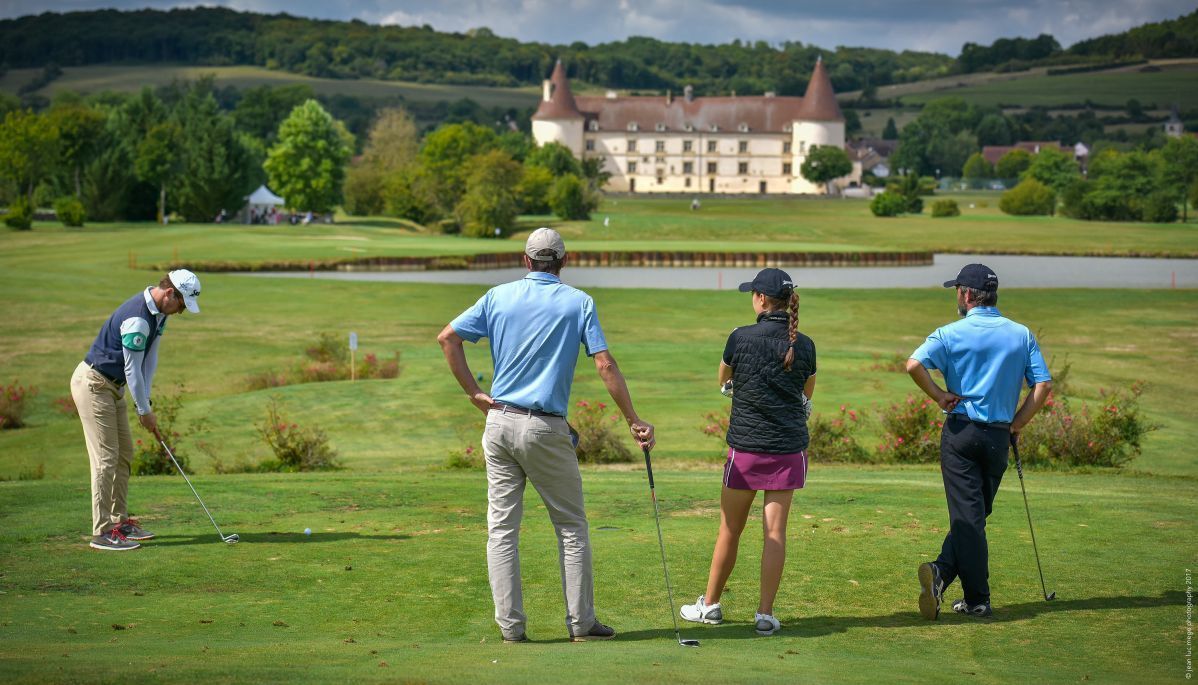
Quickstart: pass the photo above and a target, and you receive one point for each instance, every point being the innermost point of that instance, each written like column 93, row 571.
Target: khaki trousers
column 517, row 448
column 105, row 419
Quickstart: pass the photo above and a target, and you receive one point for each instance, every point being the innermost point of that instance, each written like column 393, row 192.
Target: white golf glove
column 806, row 406
column 726, row 391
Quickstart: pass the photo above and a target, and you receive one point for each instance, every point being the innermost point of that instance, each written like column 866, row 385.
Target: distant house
column 694, row 144
column 993, row 153
column 870, row 156
column 1174, row 126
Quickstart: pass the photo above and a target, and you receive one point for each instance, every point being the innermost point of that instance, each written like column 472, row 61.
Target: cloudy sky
column 941, row 26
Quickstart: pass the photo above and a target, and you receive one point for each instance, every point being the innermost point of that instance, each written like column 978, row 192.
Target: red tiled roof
column 993, row 153
column 759, row 113
column 560, row 104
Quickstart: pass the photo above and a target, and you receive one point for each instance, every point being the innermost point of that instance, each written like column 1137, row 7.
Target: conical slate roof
column 560, row 104
column 819, row 102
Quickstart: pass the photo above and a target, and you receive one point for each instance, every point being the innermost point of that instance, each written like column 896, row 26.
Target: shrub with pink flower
column 602, row 436
column 295, row 447
column 12, row 404
column 833, row 438
column 911, row 431
column 1107, row 434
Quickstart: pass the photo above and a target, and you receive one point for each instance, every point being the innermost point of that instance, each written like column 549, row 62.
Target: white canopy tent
column 260, row 202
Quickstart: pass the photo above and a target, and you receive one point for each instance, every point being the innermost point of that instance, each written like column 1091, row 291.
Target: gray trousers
column 517, row 448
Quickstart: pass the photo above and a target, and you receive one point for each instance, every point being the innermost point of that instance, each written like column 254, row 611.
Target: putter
column 1048, row 596
column 661, row 543
column 230, row 539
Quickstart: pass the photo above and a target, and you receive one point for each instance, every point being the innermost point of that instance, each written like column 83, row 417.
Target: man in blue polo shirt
column 985, row 359
column 535, row 326
column 125, row 352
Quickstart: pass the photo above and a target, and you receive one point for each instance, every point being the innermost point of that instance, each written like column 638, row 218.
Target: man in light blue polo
column 985, row 359
column 535, row 326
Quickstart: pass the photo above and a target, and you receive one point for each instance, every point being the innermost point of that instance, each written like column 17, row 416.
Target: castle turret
column 557, row 118
column 818, row 121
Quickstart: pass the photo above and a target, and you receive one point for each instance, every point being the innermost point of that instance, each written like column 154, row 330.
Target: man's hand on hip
column 948, row 401
column 643, row 432
column 149, row 422
column 483, row 401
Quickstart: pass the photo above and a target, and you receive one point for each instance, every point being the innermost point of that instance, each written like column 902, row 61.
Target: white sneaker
column 767, row 625
column 702, row 612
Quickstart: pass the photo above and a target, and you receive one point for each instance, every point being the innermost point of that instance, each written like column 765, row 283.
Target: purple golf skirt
column 757, row 471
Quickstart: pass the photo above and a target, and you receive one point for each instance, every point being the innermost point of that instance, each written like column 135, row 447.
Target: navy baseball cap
column 771, row 282
column 976, row 276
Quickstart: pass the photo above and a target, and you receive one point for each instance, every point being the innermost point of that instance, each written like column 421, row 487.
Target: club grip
column 648, row 466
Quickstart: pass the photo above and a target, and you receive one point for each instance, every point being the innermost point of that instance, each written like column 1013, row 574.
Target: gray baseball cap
column 545, row 239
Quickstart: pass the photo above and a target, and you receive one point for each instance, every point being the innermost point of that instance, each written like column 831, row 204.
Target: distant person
column 768, row 368
column 124, row 353
column 535, row 326
column 985, row 359
column 694, row 204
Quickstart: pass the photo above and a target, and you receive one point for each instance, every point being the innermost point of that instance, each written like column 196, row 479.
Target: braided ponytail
column 793, row 311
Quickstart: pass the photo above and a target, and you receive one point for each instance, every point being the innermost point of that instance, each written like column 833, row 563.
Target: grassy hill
column 123, row 78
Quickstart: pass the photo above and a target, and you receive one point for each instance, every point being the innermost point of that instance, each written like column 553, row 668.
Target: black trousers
column 973, row 457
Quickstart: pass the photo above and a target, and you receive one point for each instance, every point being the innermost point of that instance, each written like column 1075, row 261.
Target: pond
column 1013, row 272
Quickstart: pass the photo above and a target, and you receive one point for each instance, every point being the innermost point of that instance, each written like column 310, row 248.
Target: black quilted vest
column 767, row 413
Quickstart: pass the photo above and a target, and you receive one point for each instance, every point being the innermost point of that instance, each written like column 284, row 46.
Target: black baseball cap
column 976, row 276
column 771, row 282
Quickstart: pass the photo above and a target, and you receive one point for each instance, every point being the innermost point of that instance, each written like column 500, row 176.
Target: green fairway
column 391, row 585
column 99, row 78
column 414, row 603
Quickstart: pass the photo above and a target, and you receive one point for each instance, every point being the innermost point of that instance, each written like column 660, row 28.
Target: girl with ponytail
column 769, row 371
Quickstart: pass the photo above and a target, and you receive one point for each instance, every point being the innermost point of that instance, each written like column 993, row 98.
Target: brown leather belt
column 505, row 408
column 117, row 382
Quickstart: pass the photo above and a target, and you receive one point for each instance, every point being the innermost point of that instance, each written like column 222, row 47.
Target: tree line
column 354, row 49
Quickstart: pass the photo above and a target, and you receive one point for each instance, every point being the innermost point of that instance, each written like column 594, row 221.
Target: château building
column 691, row 144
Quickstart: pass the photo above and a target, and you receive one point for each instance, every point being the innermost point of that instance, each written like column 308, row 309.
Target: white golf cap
column 188, row 285
column 545, row 239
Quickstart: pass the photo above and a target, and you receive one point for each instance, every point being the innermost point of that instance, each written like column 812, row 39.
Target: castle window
column 688, row 181
column 660, row 127
column 786, row 168
column 742, row 168
column 711, row 167
column 688, row 145
column 632, row 126
column 590, row 145
column 802, row 147
column 786, row 146
column 714, row 128
column 594, row 124
column 689, row 126
column 786, row 128
column 688, row 167
column 711, row 146
column 632, row 144
column 660, row 146
column 743, row 128
column 632, row 167
column 742, row 146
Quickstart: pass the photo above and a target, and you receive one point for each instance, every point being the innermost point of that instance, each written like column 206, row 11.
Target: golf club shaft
column 193, row 489
column 1028, row 509
column 661, row 542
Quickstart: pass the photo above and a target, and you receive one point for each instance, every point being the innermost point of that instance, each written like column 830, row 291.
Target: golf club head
column 1051, row 596
column 231, row 539
column 688, row 643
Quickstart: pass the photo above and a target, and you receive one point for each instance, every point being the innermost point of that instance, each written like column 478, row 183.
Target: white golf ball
column 307, row 531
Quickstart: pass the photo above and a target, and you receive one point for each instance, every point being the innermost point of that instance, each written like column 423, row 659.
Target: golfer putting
column 984, row 358
column 125, row 353
column 771, row 366
column 535, row 326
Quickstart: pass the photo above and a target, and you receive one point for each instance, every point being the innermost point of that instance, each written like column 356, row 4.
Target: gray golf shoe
column 931, row 592
column 132, row 529
column 597, row 632
column 702, row 612
column 113, row 541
